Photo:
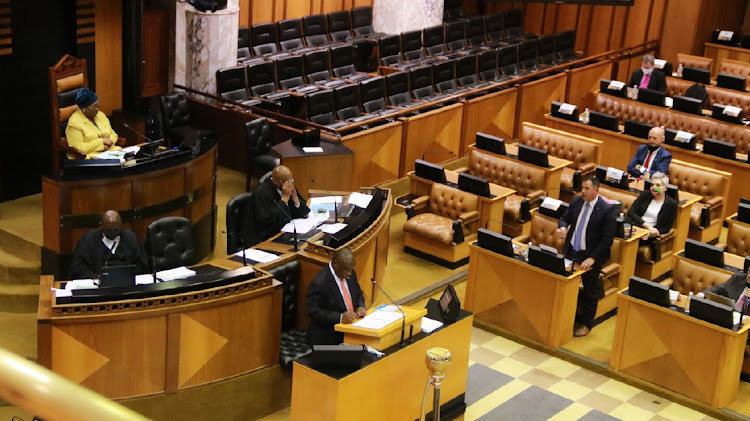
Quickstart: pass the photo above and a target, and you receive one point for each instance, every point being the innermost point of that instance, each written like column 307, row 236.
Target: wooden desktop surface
column 331, row 169
column 386, row 336
column 392, row 386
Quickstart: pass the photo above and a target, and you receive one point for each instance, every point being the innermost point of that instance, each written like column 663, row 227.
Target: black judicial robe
column 91, row 253
column 267, row 213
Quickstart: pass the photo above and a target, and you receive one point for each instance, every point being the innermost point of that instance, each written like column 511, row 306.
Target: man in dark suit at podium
column 334, row 296
column 648, row 76
column 588, row 227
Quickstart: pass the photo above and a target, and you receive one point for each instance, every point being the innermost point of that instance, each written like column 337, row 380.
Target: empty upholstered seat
column 176, row 119
column 315, row 30
column 289, row 35
column 397, row 90
column 231, row 84
column 444, row 77
column 321, row 108
column 349, row 103
column 712, row 185
column 738, row 239
column 698, row 62
column 420, row 83
column 693, row 276
column 362, row 23
column 170, row 242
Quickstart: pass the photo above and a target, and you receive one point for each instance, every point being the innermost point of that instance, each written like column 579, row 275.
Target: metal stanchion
column 438, row 361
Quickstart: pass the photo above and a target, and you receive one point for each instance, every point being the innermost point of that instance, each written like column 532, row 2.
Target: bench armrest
column 714, row 201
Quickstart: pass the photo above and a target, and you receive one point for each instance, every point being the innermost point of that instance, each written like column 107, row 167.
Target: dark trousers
column 588, row 298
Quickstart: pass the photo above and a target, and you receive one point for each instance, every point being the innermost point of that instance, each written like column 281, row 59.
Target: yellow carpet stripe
column 574, row 412
column 494, row 399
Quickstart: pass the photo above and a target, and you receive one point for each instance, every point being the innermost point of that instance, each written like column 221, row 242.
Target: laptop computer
column 720, row 299
column 117, row 276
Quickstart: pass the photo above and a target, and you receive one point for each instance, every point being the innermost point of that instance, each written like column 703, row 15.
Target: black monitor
column 717, row 112
column 449, row 305
column 622, row 183
column 637, row 129
column 553, row 262
column 533, row 155
column 670, row 138
column 687, row 104
column 704, row 253
column 348, row 357
column 496, row 242
column 719, row 36
column 117, row 276
column 355, row 225
column 720, row 148
column 474, row 184
column 605, row 89
column 430, row 171
column 650, row 291
column 603, row 121
column 651, row 96
column 551, row 212
column 490, row 143
column 555, row 111
column 672, row 190
column 743, row 213
column 712, row 312
column 695, row 74
column 727, row 81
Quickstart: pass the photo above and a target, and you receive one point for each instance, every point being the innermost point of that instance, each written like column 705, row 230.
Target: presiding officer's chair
column 438, row 224
column 169, row 242
column 66, row 78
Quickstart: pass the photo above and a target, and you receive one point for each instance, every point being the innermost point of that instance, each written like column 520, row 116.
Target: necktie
column 647, row 161
column 644, row 81
column 579, row 228
column 347, row 297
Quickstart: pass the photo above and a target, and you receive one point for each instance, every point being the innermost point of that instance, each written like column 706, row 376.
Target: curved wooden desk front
column 162, row 344
column 72, row 207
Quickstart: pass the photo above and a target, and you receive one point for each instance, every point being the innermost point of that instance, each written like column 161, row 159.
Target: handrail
column 53, row 397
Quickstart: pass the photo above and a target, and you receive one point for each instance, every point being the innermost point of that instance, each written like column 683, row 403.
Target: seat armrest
column 610, row 270
column 667, row 282
column 722, row 246
column 587, row 168
column 468, row 217
column 420, row 202
column 461, row 169
column 524, row 239
column 667, row 236
column 535, row 195
column 714, row 201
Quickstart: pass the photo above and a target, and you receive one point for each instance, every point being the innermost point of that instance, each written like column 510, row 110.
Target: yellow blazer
column 86, row 137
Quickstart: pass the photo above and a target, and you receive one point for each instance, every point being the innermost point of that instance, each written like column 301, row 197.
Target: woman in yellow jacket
column 88, row 129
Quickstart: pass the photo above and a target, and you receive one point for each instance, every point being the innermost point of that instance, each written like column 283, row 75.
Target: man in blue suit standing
column 588, row 227
column 651, row 158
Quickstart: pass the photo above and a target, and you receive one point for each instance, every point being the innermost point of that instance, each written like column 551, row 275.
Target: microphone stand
column 294, row 226
column 403, row 318
column 153, row 270
column 335, row 206
column 242, row 243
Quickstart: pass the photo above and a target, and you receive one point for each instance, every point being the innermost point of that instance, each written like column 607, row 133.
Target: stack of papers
column 378, row 319
column 359, row 199
column 303, row 225
column 332, row 228
column 81, row 284
column 62, row 292
column 428, row 325
column 259, row 256
column 111, row 155
column 176, row 273
column 325, row 199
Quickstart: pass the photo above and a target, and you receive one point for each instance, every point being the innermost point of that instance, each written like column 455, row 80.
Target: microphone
column 294, row 238
column 242, row 242
column 148, row 139
column 335, row 206
column 153, row 270
column 428, row 152
column 403, row 319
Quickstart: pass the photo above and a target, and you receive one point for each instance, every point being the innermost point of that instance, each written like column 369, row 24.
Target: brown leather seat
column 691, row 276
column 704, row 182
column 439, row 210
column 737, row 68
column 694, row 61
column 738, row 239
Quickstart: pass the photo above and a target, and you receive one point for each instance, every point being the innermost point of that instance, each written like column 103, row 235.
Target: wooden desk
column 388, row 335
column 619, row 148
column 493, row 114
column 393, row 385
column 330, row 169
column 673, row 350
column 435, row 134
column 523, row 299
column 719, row 52
column 72, row 207
column 624, row 251
column 162, row 344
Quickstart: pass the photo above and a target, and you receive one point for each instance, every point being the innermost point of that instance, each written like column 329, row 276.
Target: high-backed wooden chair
column 66, row 78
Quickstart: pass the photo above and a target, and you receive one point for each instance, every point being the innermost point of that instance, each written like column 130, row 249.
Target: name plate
column 732, row 111
column 613, row 174
column 616, row 85
column 725, row 35
column 567, row 109
column 551, row 204
column 683, row 137
column 659, row 63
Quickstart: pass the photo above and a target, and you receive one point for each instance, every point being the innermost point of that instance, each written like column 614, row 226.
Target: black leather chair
column 420, row 83
column 397, row 90
column 466, row 73
column 507, row 60
column 342, row 63
column 169, row 242
column 476, row 35
column 513, row 21
column 362, row 23
column 263, row 40
column 433, row 39
column 237, row 223
column 455, row 37
column 315, row 31
column 289, row 35
column 349, row 104
column 528, row 54
column 495, row 28
column 231, row 84
column 339, row 25
column 316, row 69
column 243, row 37
column 546, row 50
column 452, row 10
column 175, row 116
column 289, row 73
column 389, row 52
column 294, row 342
column 565, row 44
column 372, row 92
column 260, row 80
column 444, row 77
column 411, row 48
column 258, row 142
column 320, row 109
column 487, row 67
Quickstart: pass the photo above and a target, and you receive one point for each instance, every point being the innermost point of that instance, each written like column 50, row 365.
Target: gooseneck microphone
column 403, row 319
column 153, row 270
column 335, row 206
column 294, row 238
column 147, row 139
column 242, row 243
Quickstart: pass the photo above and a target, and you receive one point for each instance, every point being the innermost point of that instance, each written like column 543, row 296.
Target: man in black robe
column 274, row 203
column 109, row 245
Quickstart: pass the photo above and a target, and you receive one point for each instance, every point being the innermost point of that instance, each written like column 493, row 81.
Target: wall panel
column 108, row 41
column 567, row 17
column 600, row 30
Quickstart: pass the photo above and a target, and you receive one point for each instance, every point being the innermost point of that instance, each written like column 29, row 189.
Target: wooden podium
column 386, row 336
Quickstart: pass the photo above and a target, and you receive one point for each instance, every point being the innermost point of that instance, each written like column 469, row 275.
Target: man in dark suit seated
column 648, row 77
column 735, row 288
column 651, row 158
column 108, row 245
column 588, row 227
column 334, row 296
column 274, row 203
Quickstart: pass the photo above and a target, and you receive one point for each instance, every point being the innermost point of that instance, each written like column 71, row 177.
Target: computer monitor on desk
column 688, row 141
column 734, row 82
column 720, row 112
column 637, row 129
column 743, row 213
column 117, row 276
column 604, row 121
column 712, row 312
column 704, row 253
column 496, row 242
column 652, row 97
column 474, row 184
column 429, row 171
column 720, row 148
column 604, row 88
column 532, row 155
column 553, row 262
column 555, row 111
column 490, row 143
column 687, row 104
column 622, row 183
column 650, row 291
column 694, row 74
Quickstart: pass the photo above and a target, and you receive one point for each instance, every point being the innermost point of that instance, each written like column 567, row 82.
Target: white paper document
column 144, row 279
column 332, row 228
column 725, row 35
column 428, row 325
column 732, row 111
column 659, row 63
column 387, row 307
column 326, row 199
column 81, row 284
column 551, row 204
column 313, row 149
column 614, row 174
column 378, row 319
column 616, row 85
column 176, row 273
column 359, row 199
column 131, row 149
column 567, row 109
column 303, row 225
column 668, row 101
column 62, row 292
column 110, row 155
column 683, row 136
column 258, row 255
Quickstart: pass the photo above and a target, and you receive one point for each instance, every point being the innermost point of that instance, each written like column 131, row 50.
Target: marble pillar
column 396, row 16
column 210, row 45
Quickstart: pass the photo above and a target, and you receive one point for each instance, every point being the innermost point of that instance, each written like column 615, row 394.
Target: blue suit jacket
column 600, row 232
column 661, row 161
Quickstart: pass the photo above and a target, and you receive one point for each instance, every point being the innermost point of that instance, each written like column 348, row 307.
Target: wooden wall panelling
column 535, row 98
column 728, row 16
column 6, row 35
column 600, row 30
column 244, row 16
column 328, row 6
column 492, row 114
column 584, row 81
column 618, row 28
column 360, row 3
column 638, row 22
column 679, row 15
column 261, row 11
column 434, row 135
column 297, row 8
column 567, row 17
column 583, row 27
column 534, row 18
column 109, row 54
column 375, row 151
column 550, row 18
column 657, row 17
